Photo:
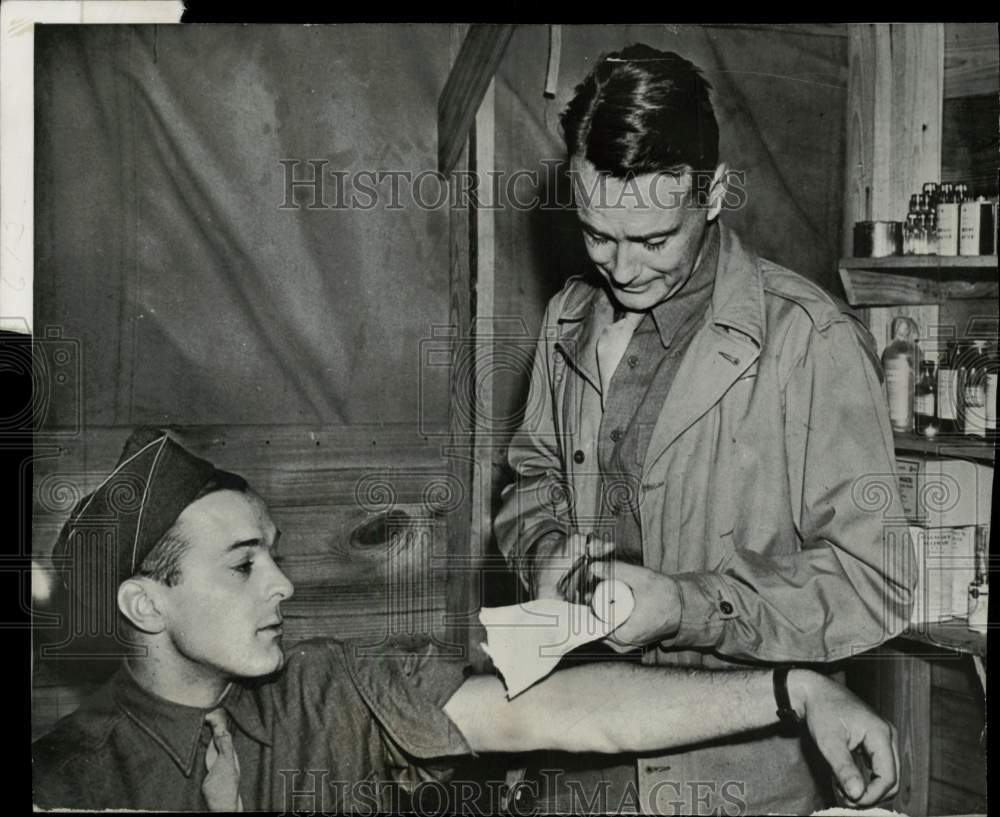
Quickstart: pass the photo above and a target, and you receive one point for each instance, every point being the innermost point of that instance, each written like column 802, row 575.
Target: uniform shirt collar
column 672, row 313
column 177, row 728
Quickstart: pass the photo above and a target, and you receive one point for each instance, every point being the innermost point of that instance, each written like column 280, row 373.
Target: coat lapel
column 579, row 328
column 724, row 348
column 713, row 362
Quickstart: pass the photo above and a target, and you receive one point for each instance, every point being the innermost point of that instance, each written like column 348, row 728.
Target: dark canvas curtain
column 163, row 249
column 161, row 245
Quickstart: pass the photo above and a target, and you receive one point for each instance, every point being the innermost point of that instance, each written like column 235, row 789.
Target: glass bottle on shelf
column 930, row 233
column 979, row 589
column 909, row 233
column 946, row 415
column 920, row 234
column 925, row 401
column 972, row 385
column 900, row 362
column 947, row 221
column 992, row 365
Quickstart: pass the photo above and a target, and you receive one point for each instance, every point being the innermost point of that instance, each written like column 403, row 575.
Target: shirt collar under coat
column 177, row 728
column 737, row 304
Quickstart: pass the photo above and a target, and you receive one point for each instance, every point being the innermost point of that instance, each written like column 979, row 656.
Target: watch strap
column 787, row 716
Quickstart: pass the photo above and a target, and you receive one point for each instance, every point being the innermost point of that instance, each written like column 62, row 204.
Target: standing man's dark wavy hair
column 643, row 111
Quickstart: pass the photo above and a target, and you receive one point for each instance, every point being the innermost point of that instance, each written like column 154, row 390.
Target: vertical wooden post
column 460, row 324
column 894, row 123
column 484, row 342
column 472, row 262
column 894, row 91
column 906, row 696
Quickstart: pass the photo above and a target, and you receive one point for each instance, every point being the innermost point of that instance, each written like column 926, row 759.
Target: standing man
column 713, row 418
column 212, row 714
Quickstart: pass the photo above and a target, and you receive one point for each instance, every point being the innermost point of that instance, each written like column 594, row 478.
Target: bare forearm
column 614, row 708
column 654, row 707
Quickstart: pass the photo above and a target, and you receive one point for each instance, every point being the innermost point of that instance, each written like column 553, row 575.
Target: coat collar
column 177, row 728
column 737, row 304
column 738, row 297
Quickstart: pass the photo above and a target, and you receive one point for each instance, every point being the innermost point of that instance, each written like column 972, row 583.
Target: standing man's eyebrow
column 651, row 236
column 637, row 238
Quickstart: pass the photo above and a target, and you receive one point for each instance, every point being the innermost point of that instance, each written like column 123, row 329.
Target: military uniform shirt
column 332, row 731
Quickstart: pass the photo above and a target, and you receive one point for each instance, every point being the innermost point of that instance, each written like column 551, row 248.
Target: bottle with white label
column 976, row 227
column 947, row 221
column 899, row 362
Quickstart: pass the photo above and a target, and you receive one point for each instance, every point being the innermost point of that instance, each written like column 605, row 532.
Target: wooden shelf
column 922, row 262
column 918, row 279
column 947, row 446
column 953, row 636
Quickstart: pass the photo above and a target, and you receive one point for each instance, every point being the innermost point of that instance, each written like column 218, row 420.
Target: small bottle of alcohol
column 972, row 374
column 947, row 221
column 925, row 402
column 900, row 362
column 946, row 414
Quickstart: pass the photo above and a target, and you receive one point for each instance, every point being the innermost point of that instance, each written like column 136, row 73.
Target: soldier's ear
column 717, row 191
column 139, row 601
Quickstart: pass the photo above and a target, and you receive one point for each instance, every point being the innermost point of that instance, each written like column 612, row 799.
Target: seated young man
column 216, row 716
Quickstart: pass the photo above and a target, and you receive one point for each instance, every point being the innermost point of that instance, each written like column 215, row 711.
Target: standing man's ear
column 717, row 191
column 139, row 601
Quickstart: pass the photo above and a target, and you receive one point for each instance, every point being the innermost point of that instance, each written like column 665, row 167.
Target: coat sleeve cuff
column 706, row 606
column 524, row 564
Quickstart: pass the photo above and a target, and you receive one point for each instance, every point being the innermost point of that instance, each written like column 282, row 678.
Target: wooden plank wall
column 971, row 106
column 943, row 754
column 364, row 515
column 911, row 121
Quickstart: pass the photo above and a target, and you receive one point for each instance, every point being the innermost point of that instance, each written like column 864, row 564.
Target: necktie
column 222, row 783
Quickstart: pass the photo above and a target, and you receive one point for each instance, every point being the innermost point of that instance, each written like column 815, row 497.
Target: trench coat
column 768, row 493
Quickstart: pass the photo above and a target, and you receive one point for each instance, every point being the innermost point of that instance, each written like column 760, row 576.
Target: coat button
column 616, row 435
column 633, row 361
column 579, row 457
column 726, row 608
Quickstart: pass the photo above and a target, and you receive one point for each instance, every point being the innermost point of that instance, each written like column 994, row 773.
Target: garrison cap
column 111, row 530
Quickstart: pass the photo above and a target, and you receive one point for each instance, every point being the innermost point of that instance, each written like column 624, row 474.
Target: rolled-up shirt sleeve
column 406, row 682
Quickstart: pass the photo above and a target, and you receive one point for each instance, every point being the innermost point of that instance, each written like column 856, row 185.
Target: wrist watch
column 787, row 716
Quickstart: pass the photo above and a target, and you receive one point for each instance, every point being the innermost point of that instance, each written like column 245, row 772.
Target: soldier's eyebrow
column 245, row 543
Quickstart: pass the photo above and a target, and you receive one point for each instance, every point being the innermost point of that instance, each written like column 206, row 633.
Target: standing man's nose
column 624, row 269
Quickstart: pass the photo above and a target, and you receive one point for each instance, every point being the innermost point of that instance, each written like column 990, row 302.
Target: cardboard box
column 945, row 568
column 945, row 493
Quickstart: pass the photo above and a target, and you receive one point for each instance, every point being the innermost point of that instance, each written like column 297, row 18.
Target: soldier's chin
column 269, row 665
